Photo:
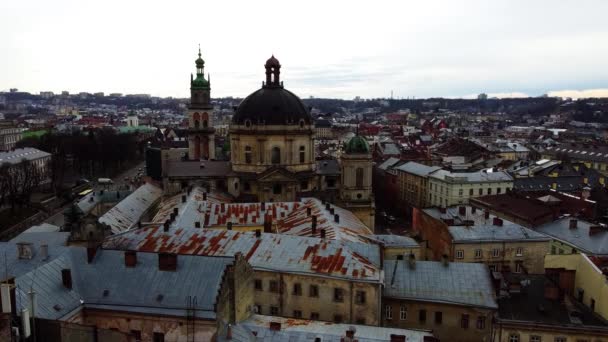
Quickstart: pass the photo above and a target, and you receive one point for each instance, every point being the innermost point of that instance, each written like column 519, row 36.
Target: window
column 258, row 284
column 535, row 338
column 513, row 338
column 302, row 154
column 248, row 154
column 360, row 297
column 464, row 321
column 460, row 254
column 304, row 185
column 492, row 268
column 422, row 316
column 403, row 313
column 297, row 289
column 136, row 335
column 247, row 186
column 158, row 337
column 331, row 183
column 388, row 312
column 313, row 291
column 519, row 267
column 489, row 191
column 470, row 192
column 257, row 308
column 592, row 304
column 495, row 253
column 337, row 318
column 274, row 286
column 274, row 310
column 276, row 155
column 438, row 317
column 480, row 191
column 314, row 316
column 277, row 189
column 460, row 192
column 481, row 322
column 359, row 176
column 561, row 339
column 338, row 295
column 498, row 190
column 478, row 254
column 297, row 313
column 360, row 320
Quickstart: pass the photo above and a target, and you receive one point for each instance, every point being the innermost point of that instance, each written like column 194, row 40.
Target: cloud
column 580, row 94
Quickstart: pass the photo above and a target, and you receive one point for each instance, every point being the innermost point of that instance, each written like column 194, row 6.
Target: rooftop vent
column 130, row 258
column 25, row 250
column 573, row 223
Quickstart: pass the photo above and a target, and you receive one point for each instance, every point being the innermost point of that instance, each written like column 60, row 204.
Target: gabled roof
column 582, row 237
column 270, row 252
column 127, row 212
column 458, row 283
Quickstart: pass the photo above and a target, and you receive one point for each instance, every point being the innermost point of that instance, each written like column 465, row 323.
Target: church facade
column 272, row 151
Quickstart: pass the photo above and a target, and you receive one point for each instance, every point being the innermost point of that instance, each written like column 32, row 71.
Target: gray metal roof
column 388, row 163
column 430, row 281
column 189, row 169
column 38, row 238
column 300, row 330
column 107, row 283
column 418, row 169
column 476, row 177
column 17, row 155
column 479, row 229
column 391, row 240
column 124, row 215
column 328, row 167
column 579, row 237
column 88, row 202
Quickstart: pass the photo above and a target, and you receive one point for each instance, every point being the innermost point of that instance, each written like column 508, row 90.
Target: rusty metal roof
column 127, row 212
column 271, row 252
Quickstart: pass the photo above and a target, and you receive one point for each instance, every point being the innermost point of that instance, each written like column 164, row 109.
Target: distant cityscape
column 275, row 218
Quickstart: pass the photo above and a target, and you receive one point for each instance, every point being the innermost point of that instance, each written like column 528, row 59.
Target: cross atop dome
column 273, row 70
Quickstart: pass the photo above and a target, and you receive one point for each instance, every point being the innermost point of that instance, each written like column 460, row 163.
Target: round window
column 247, row 123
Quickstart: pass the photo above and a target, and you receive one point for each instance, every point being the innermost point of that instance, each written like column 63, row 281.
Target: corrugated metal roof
column 127, row 212
column 417, row 169
column 272, row 252
column 88, row 202
column 257, row 328
column 17, row 155
column 478, row 176
column 391, row 240
column 578, row 237
column 458, row 283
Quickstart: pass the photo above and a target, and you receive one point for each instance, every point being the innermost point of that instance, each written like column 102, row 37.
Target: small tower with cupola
column 201, row 134
column 356, row 184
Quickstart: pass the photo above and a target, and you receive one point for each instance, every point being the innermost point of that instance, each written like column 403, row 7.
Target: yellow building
column 452, row 188
column 413, row 183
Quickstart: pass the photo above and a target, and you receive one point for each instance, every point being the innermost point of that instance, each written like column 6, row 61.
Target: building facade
column 448, row 188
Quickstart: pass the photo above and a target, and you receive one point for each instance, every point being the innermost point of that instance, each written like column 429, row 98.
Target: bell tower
column 356, row 184
column 201, row 134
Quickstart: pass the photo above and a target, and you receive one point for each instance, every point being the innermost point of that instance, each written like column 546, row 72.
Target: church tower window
column 248, row 154
column 359, row 177
column 302, row 154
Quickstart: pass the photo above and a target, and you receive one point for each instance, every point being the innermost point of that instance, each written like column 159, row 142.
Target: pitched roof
column 581, row 237
column 17, row 155
column 477, row 176
column 417, row 169
column 272, row 252
column 430, row 281
column 127, row 212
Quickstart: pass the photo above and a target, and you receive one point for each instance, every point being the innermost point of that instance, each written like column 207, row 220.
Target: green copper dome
column 357, row 144
column 199, row 82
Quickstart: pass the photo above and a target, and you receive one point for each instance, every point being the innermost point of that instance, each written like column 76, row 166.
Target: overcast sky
column 342, row 49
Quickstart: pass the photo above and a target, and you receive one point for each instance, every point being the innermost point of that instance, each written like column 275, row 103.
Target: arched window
column 204, row 123
column 359, row 177
column 302, row 154
column 196, row 124
column 276, row 155
column 248, row 154
column 276, row 189
column 196, row 119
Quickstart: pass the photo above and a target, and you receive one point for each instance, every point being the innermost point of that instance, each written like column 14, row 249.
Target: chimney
column 323, row 233
column 258, row 233
column 223, row 207
column 91, row 251
column 445, row 260
column 313, row 225
column 486, row 214
column 331, row 211
column 197, row 224
column 267, row 225
column 167, row 262
column 573, row 223
column 66, row 278
column 263, row 206
column 397, row 338
column 594, row 230
column 327, row 206
column 412, row 261
column 175, row 212
column 183, row 198
column 473, row 210
column 350, row 334
column 229, row 226
column 130, row 258
column 497, row 222
column 204, row 196
column 442, row 210
column 166, row 226
column 275, row 326
column 337, row 218
column 462, row 210
column 229, row 332
column 308, row 211
column 44, row 251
